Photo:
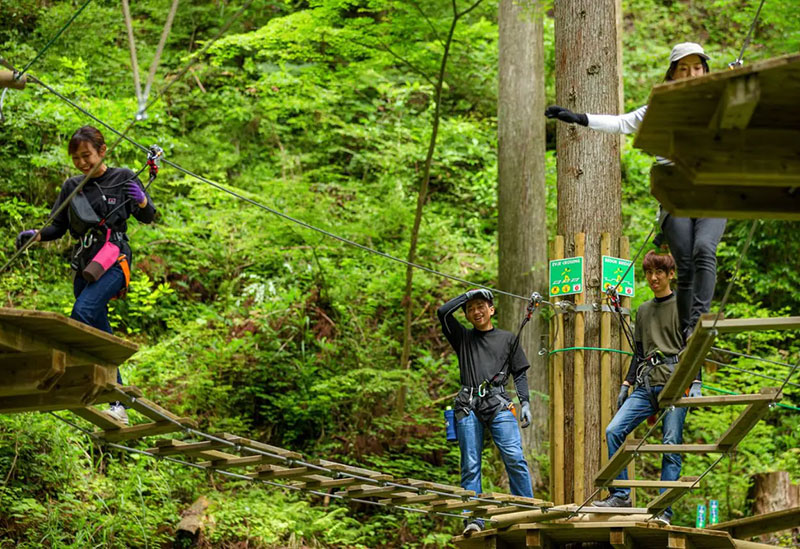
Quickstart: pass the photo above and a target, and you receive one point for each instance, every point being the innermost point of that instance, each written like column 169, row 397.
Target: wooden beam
column 617, row 463
column 618, row 538
column 757, row 525
column 282, row 452
column 453, row 505
column 368, row 490
column 579, row 388
column 747, row 420
column 678, row 540
column 511, row 498
column 737, row 104
column 736, row 325
column 557, row 404
column 589, row 510
column 36, row 371
column 276, row 472
column 527, row 516
column 721, row 400
column 670, row 495
column 246, row 461
column 690, row 362
column 681, row 197
column 171, row 447
column 399, row 498
column 537, row 539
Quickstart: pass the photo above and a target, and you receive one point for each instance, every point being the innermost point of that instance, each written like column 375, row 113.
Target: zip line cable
column 257, row 204
column 752, row 357
column 21, row 73
column 741, row 257
column 757, row 374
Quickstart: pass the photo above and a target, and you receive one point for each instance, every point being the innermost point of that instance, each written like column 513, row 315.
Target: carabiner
column 482, row 388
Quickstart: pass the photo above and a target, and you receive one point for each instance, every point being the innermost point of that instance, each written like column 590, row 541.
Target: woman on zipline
column 692, row 241
column 97, row 218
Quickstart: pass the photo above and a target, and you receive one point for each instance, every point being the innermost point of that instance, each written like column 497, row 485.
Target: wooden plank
column 287, row 454
column 367, row 490
column 19, row 326
column 400, row 498
column 151, row 410
column 747, row 420
column 246, row 461
column 31, row 372
column 589, row 510
column 680, row 449
column 320, row 482
column 276, row 472
column 757, row 525
column 444, row 488
column 144, row 430
column 618, row 538
column 690, row 362
column 452, row 505
column 681, row 197
column 722, row 400
column 78, row 387
column 670, row 495
column 736, row 325
column 341, row 467
column 98, row 418
column 579, row 384
column 495, row 510
column 649, row 484
column 171, row 447
column 519, row 500
column 558, row 490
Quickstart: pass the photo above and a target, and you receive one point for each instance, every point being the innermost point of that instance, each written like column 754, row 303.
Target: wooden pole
column 607, row 382
column 579, row 387
column 7, row 80
column 625, row 302
column 557, row 398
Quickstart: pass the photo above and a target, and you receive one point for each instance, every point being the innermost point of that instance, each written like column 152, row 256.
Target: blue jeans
column 693, row 244
column 508, row 440
column 633, row 411
column 91, row 300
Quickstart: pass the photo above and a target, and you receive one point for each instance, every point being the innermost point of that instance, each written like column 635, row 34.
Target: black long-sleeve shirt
column 481, row 354
column 105, row 193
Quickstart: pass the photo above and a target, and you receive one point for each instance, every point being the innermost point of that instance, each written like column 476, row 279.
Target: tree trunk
column 772, row 492
column 522, row 250
column 187, row 533
column 587, row 80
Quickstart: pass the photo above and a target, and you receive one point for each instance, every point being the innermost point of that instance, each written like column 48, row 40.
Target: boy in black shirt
column 482, row 352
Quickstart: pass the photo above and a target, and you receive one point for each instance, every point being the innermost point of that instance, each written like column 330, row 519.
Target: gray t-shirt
column 658, row 329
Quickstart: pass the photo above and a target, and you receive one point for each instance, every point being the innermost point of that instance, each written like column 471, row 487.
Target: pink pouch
column 102, row 261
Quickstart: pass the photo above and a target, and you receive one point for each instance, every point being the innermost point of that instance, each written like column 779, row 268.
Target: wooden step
column 145, row 430
column 589, row 509
column 98, row 418
column 284, row 453
column 669, row 496
column 627, row 451
column 747, row 420
column 449, row 505
column 318, row 482
column 245, row 461
column 275, row 472
column 407, row 498
column 368, row 491
column 649, row 484
column 722, row 400
column 341, row 467
column 171, row 447
column 691, row 360
column 736, row 325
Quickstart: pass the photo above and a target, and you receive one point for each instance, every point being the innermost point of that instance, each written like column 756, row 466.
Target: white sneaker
column 117, row 412
column 472, row 528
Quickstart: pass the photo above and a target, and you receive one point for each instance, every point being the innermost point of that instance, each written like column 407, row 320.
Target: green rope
column 53, row 39
column 727, row 392
column 590, row 349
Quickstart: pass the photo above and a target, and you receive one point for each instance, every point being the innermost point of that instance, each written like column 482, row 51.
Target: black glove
column 623, row 395
column 525, row 414
column 23, row 237
column 566, row 115
column 480, row 293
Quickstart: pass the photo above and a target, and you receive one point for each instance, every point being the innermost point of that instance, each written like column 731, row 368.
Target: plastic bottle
column 450, row 424
column 713, row 512
column 700, row 521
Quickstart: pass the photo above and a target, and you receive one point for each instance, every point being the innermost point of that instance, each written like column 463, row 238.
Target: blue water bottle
column 450, row 422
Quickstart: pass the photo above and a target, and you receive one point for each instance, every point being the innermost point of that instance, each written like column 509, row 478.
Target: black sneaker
column 613, row 501
column 663, row 519
column 472, row 528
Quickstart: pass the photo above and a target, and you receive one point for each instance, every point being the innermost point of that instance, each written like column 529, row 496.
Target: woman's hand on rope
column 136, row 193
column 24, row 236
column 566, row 115
column 525, row 414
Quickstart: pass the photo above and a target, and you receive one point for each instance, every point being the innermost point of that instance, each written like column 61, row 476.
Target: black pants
column 693, row 243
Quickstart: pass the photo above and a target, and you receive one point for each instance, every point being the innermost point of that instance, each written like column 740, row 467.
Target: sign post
column 612, row 271
column 566, row 276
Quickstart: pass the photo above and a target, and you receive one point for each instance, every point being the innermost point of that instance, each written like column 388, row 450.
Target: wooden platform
column 618, row 533
column 761, row 524
column 729, row 134
column 51, row 362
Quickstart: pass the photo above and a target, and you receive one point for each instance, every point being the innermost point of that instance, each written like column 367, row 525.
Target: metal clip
column 482, row 388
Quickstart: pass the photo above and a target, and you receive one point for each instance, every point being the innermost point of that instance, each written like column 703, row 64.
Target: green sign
column 613, row 269
column 566, row 276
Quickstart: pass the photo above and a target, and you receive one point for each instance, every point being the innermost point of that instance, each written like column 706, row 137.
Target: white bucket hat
column 687, row 48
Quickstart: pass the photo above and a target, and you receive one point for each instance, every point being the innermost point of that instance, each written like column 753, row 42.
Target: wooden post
column 579, row 387
column 625, row 302
column 608, row 384
column 557, row 398
column 7, row 80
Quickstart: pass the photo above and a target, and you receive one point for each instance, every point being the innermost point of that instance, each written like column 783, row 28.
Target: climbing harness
column 645, row 368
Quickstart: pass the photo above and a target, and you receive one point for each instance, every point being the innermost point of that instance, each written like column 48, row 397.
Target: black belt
column 117, row 236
